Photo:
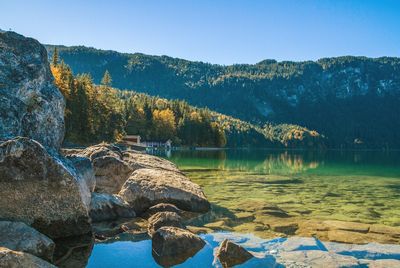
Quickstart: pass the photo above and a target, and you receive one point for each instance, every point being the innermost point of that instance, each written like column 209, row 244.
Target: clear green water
column 241, row 184
column 349, row 186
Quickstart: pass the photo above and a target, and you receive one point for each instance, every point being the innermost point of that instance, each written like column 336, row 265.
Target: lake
column 272, row 193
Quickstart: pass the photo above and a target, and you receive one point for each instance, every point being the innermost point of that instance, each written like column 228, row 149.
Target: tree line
column 96, row 113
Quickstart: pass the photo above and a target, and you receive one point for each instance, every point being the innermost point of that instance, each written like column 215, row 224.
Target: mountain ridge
column 339, row 97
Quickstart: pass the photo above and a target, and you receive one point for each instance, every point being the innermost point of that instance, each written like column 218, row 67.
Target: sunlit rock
column 147, row 187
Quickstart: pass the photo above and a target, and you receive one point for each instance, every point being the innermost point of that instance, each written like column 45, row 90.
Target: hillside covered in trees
column 353, row 101
column 96, row 113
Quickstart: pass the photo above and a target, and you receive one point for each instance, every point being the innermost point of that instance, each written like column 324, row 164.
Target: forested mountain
column 353, row 101
column 96, row 113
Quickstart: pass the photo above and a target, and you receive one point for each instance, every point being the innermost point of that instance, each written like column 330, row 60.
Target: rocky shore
column 55, row 202
column 49, row 195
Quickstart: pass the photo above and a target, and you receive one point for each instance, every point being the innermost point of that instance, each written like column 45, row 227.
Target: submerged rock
column 147, row 187
column 20, row 237
column 105, row 207
column 42, row 190
column 161, row 219
column 30, row 104
column 230, row 254
column 172, row 245
column 16, row 259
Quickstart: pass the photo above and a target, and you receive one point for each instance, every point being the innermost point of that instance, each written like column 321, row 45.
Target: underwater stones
column 316, row 258
column 274, row 210
column 172, row 245
column 288, row 228
column 367, row 251
column 109, row 207
column 385, row 230
column 20, row 237
column 347, row 226
column 42, row 190
column 30, row 104
column 161, row 219
column 380, row 263
column 302, row 243
column 219, row 225
column 16, row 259
column 147, row 187
column 230, row 254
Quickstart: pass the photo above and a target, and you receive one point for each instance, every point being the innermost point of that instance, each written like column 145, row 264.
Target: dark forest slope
column 353, row 101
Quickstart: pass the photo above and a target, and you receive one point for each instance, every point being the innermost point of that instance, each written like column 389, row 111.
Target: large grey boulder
column 106, row 207
column 42, row 190
column 172, row 245
column 20, row 237
column 16, row 259
column 148, row 187
column 30, row 104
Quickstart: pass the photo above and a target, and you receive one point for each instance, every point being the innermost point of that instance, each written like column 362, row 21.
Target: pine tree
column 106, row 80
column 55, row 57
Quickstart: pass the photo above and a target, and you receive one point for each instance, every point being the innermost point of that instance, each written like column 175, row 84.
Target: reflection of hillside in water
column 286, row 163
column 266, row 162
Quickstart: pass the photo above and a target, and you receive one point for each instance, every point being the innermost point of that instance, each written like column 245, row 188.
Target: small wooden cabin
column 131, row 140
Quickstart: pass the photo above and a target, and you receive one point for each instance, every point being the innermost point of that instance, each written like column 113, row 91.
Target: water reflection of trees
column 263, row 161
column 287, row 163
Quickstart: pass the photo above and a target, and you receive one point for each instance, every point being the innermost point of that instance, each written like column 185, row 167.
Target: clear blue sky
column 215, row 31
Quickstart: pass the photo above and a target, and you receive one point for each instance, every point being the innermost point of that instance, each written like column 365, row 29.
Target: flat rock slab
column 20, row 237
column 148, row 187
